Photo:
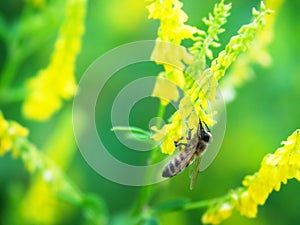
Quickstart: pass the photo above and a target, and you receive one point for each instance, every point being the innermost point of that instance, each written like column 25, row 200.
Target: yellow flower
column 172, row 19
column 217, row 214
column 9, row 132
column 166, row 91
column 259, row 190
column 46, row 214
column 192, row 106
column 57, row 82
column 3, row 125
column 211, row 218
column 169, row 133
column 125, row 16
column 197, row 82
column 247, row 206
column 178, row 127
column 43, row 100
column 225, row 210
column 276, row 169
column 171, row 56
column 239, row 43
column 174, row 58
column 172, row 29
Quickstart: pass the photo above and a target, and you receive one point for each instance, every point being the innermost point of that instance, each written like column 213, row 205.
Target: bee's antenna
column 206, row 126
column 200, row 124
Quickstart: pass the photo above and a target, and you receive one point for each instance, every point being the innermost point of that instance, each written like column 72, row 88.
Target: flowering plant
column 52, row 195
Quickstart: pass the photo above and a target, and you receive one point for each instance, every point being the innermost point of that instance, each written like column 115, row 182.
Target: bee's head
column 206, row 136
column 204, row 132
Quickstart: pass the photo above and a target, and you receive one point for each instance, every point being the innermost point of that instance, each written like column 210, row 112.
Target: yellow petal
column 166, row 90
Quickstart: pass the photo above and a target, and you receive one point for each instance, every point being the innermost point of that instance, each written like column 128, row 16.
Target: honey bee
column 189, row 152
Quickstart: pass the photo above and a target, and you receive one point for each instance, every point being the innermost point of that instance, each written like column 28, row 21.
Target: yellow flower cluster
column 57, row 81
column 9, row 132
column 182, row 120
column 45, row 208
column 203, row 92
column 239, row 43
column 241, row 71
column 207, row 40
column 218, row 214
column 276, row 169
column 173, row 58
column 50, row 181
column 172, row 19
column 173, row 30
column 199, row 85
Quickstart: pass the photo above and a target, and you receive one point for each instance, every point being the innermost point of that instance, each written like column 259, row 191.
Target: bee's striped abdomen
column 176, row 165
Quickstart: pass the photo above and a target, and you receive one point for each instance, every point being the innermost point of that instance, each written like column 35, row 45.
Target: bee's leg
column 189, row 135
column 179, row 145
column 175, row 142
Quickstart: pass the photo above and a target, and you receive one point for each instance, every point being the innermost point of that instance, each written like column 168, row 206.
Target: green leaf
column 133, row 132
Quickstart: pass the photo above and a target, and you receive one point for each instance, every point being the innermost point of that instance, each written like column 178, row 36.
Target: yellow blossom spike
column 9, row 133
column 166, row 90
column 237, row 44
column 241, row 71
column 172, row 29
column 198, row 82
column 276, row 169
column 51, row 181
column 172, row 20
column 55, row 83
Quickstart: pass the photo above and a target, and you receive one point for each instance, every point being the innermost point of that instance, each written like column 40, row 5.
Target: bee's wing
column 194, row 171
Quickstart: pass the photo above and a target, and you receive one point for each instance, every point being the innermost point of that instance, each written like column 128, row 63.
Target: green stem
column 9, row 71
column 146, row 191
column 205, row 203
column 190, row 205
column 167, row 207
column 161, row 112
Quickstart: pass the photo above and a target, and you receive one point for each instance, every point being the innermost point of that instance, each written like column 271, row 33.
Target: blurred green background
column 264, row 113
